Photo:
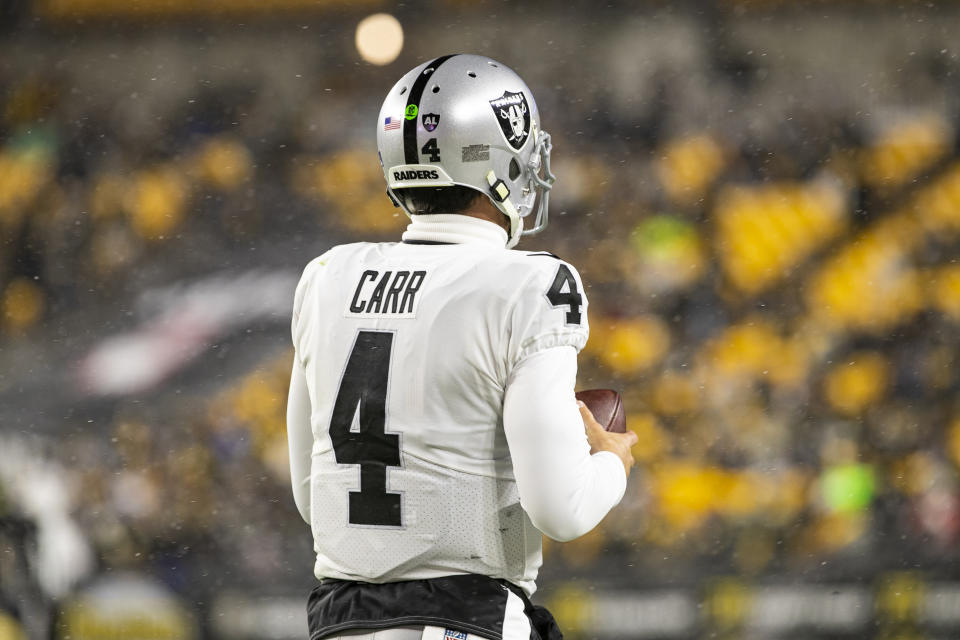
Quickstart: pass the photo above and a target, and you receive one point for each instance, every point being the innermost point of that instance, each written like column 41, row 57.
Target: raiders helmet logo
column 513, row 114
column 430, row 121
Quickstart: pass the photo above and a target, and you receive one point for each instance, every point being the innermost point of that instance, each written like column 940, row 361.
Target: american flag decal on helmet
column 391, row 123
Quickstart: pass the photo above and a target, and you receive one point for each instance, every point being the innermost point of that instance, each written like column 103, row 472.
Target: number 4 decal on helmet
column 570, row 298
column 431, row 149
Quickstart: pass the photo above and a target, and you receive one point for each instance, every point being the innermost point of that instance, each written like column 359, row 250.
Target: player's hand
column 602, row 440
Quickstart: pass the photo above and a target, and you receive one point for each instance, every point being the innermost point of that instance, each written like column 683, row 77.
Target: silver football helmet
column 467, row 120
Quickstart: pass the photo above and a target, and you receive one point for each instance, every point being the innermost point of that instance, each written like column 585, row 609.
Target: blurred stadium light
column 379, row 38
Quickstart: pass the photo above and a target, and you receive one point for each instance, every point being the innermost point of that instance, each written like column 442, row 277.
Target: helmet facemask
column 540, row 162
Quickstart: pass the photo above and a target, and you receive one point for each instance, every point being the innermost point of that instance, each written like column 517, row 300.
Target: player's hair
column 427, row 200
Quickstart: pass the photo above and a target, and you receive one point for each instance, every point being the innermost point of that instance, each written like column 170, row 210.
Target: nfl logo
column 450, row 634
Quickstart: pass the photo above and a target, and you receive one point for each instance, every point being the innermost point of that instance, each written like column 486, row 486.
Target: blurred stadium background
column 763, row 197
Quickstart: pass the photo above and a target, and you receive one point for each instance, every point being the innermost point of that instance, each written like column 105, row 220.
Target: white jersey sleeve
column 549, row 310
column 301, row 332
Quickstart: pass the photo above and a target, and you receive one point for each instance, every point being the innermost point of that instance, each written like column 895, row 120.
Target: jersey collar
column 449, row 228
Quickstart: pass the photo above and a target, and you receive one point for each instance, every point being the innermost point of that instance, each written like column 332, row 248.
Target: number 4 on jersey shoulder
column 563, row 292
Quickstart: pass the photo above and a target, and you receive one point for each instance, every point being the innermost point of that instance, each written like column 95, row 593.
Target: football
column 606, row 405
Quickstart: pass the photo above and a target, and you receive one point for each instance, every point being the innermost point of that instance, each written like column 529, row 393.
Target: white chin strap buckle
column 500, row 193
column 498, row 188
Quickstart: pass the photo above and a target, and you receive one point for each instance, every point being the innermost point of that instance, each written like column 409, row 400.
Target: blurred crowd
column 778, row 305
column 787, row 348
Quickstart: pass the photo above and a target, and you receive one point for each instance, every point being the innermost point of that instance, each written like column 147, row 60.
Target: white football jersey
column 407, row 350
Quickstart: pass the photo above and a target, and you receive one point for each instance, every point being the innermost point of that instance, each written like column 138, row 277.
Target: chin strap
column 500, row 194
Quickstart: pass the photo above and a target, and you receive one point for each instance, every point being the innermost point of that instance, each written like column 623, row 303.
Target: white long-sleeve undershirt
column 300, row 438
column 565, row 490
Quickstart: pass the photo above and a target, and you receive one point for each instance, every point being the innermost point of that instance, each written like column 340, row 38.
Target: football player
column 434, row 433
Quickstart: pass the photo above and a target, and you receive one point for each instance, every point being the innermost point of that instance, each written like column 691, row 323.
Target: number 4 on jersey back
column 357, row 430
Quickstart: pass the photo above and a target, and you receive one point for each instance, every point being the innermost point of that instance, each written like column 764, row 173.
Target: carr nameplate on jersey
column 386, row 293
